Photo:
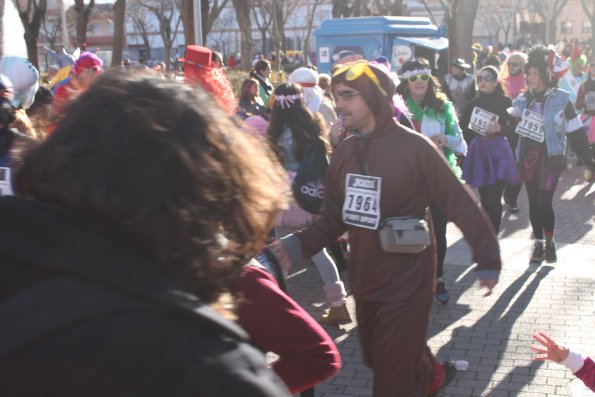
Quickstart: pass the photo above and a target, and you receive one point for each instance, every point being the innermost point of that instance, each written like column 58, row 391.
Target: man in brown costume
column 387, row 170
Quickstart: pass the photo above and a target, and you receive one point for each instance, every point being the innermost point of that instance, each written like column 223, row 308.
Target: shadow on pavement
column 489, row 337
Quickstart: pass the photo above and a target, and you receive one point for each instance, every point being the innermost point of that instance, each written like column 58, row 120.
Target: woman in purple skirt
column 489, row 164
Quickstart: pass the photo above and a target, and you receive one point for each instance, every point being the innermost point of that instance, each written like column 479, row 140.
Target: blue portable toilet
column 398, row 38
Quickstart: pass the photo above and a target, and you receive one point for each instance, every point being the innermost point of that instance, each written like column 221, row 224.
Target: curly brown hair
column 161, row 164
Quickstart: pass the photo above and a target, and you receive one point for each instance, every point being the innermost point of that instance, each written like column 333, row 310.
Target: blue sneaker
column 441, row 292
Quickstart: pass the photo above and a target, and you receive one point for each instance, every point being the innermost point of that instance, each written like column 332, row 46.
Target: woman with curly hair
column 293, row 128
column 134, row 216
column 547, row 118
column 434, row 116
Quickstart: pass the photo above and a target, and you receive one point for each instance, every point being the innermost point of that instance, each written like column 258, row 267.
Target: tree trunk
column 167, row 55
column 461, row 18
column 82, row 18
column 119, row 31
column 242, row 8
column 31, row 43
column 187, row 10
column 341, row 9
column 204, row 16
column 551, row 30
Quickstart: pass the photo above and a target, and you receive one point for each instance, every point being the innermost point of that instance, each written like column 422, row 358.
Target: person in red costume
column 513, row 76
column 276, row 323
column 581, row 366
column 199, row 68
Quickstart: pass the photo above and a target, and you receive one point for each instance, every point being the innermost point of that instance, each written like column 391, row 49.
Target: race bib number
column 481, row 120
column 362, row 201
column 590, row 101
column 531, row 126
column 5, row 183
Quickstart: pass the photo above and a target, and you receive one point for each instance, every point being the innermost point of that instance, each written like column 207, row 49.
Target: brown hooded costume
column 394, row 292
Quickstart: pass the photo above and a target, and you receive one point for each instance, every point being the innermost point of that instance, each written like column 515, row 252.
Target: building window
column 566, row 27
column 586, row 26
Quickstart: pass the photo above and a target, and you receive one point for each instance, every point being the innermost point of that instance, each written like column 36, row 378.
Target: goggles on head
column 356, row 69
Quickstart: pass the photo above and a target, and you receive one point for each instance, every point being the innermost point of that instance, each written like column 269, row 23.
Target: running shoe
column 538, row 252
column 447, row 371
column 441, row 292
column 550, row 251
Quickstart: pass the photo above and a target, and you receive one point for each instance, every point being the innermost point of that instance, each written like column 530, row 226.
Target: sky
column 13, row 41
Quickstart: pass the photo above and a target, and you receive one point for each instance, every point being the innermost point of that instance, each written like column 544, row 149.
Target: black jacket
column 82, row 314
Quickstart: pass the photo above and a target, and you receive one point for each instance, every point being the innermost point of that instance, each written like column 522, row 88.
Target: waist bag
column 404, row 234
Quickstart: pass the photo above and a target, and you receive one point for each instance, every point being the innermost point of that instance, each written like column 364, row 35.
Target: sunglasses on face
column 514, row 64
column 488, row 78
column 422, row 77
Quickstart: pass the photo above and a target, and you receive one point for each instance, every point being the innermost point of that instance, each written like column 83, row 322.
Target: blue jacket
column 555, row 124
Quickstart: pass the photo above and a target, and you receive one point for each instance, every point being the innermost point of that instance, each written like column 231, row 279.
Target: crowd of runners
column 150, row 221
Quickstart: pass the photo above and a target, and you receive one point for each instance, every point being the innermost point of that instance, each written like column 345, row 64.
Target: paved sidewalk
column 494, row 333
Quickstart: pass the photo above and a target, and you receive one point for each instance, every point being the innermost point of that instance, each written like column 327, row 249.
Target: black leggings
column 491, row 201
column 541, row 211
column 440, row 222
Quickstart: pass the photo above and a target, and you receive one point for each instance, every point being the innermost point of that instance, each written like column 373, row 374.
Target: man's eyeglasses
column 422, row 77
column 488, row 78
column 346, row 95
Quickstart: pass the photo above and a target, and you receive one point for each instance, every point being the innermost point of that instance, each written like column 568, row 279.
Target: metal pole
column 197, row 22
column 65, row 41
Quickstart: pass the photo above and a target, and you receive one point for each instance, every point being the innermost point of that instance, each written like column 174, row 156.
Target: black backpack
column 308, row 185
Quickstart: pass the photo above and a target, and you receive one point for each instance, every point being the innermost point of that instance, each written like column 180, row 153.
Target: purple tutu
column 488, row 161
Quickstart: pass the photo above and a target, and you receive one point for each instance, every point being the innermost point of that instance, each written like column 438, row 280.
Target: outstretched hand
column 549, row 349
column 489, row 284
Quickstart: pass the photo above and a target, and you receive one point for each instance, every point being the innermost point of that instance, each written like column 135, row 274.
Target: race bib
column 531, row 126
column 590, row 101
column 481, row 120
column 5, row 183
column 361, row 207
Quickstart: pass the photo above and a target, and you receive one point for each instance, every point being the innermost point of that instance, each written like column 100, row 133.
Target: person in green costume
column 434, row 116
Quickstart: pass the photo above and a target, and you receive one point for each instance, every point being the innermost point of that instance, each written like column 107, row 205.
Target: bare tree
column 429, row 11
column 168, row 16
column 51, row 26
column 460, row 19
column 311, row 14
column 83, row 12
column 549, row 11
column 242, row 8
column 31, row 12
column 213, row 11
column 187, row 11
column 387, row 7
column 280, row 10
column 119, row 28
column 263, row 20
column 491, row 22
column 589, row 9
column 342, row 8
column 142, row 26
column 507, row 17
